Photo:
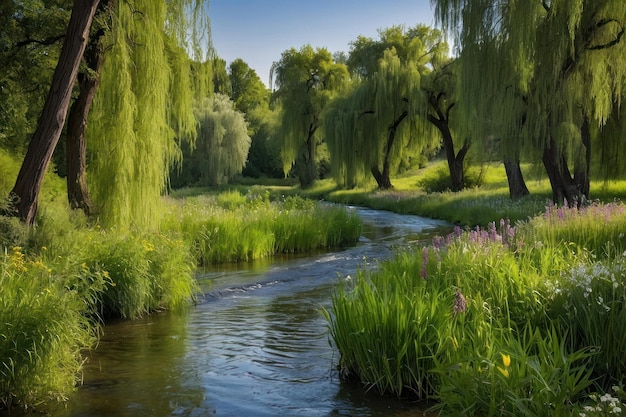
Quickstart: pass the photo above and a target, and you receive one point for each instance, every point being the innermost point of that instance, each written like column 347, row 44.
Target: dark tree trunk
column 25, row 193
column 383, row 178
column 517, row 185
column 76, row 155
column 308, row 172
column 455, row 161
column 564, row 190
column 581, row 171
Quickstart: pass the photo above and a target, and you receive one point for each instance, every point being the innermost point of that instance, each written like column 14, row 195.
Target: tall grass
column 234, row 227
column 494, row 321
column 44, row 323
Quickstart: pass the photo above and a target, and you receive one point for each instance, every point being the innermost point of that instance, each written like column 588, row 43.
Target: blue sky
column 258, row 31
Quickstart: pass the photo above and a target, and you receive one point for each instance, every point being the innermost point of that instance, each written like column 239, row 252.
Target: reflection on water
column 255, row 345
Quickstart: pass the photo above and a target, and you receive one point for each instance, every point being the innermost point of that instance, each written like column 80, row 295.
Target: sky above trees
column 258, row 31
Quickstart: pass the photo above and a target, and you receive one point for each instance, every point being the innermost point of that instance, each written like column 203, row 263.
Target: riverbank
column 60, row 281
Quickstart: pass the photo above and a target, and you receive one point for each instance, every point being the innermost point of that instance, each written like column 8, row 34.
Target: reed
column 232, row 227
column 478, row 294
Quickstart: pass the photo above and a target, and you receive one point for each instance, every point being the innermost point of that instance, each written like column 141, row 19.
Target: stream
column 254, row 345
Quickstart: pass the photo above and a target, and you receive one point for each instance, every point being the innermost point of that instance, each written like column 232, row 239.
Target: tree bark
column 581, row 171
column 564, row 189
column 308, row 173
column 383, row 178
column 25, row 192
column 76, row 148
column 455, row 161
column 517, row 185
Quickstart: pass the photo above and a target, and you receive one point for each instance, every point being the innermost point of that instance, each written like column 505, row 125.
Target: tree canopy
column 546, row 77
column 223, row 142
column 384, row 118
column 143, row 108
column 306, row 80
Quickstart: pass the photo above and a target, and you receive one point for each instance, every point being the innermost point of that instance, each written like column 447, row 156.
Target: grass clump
column 45, row 322
column 494, row 321
column 234, row 227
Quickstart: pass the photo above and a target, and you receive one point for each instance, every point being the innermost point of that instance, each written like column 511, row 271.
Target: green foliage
column 30, row 43
column 44, row 325
column 248, row 91
column 532, row 374
column 508, row 319
column 236, row 228
column 142, row 106
column 147, row 272
column 306, row 81
column 223, row 142
column 536, row 95
column 382, row 120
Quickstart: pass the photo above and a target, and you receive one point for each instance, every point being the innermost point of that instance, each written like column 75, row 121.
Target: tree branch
column 47, row 41
column 607, row 45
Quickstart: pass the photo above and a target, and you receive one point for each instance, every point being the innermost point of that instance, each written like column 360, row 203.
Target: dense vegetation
column 143, row 104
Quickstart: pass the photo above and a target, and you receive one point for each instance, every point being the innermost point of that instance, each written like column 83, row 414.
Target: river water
column 254, row 345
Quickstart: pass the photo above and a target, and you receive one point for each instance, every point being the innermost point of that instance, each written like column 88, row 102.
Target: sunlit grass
column 524, row 318
column 45, row 322
column 233, row 227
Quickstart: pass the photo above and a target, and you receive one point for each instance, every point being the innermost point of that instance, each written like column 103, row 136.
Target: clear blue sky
column 258, row 31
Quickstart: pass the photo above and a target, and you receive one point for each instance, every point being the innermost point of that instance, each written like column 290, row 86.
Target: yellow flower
column 503, row 371
column 506, row 360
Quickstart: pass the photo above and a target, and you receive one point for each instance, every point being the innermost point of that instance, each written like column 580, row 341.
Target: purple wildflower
column 460, row 304
column 424, row 272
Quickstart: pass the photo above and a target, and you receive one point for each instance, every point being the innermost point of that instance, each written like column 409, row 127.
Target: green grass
column 44, row 324
column 232, row 227
column 438, row 322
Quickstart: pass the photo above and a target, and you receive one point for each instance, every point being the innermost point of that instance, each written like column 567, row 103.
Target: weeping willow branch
column 611, row 43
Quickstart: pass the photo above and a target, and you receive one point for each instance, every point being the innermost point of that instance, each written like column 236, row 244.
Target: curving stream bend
column 254, row 345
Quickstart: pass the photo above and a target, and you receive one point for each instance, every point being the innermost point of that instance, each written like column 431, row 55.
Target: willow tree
column 75, row 145
column 144, row 105
column 306, row 81
column 559, row 67
column 385, row 116
column 223, row 143
column 378, row 122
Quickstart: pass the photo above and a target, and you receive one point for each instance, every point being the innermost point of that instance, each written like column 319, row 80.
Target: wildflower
column 424, row 272
column 460, row 304
column 506, row 360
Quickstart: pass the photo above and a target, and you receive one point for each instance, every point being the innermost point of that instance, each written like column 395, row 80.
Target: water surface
column 254, row 345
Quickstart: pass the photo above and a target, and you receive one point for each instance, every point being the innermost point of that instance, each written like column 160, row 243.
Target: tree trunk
column 564, row 190
column 581, row 171
column 76, row 155
column 308, row 173
column 383, row 179
column 517, row 185
column 25, row 193
column 455, row 161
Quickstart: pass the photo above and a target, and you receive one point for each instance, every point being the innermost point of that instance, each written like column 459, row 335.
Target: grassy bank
column 508, row 320
column 60, row 281
column 422, row 192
